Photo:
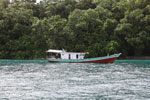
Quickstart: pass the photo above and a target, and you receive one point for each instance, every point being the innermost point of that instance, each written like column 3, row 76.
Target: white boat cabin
column 62, row 54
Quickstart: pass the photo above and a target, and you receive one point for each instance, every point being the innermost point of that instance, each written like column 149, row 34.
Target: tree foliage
column 99, row 27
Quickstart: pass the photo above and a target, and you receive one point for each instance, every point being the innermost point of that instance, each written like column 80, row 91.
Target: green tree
column 112, row 47
column 60, row 7
column 85, row 4
column 15, row 24
column 4, row 4
column 86, row 28
column 109, row 27
column 48, row 33
column 27, row 30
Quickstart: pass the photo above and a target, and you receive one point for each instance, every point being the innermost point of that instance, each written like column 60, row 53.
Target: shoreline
column 134, row 58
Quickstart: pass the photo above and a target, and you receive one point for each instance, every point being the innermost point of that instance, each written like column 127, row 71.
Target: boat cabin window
column 54, row 55
column 77, row 56
column 69, row 56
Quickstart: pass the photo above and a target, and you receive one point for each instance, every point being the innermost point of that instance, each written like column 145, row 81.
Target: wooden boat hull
column 106, row 59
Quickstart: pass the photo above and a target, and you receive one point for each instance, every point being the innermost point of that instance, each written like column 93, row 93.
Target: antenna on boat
column 107, row 54
column 63, row 50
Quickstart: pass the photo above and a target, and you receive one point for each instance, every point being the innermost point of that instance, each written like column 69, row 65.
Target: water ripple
column 53, row 81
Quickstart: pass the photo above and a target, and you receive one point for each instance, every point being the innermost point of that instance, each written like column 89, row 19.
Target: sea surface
column 40, row 80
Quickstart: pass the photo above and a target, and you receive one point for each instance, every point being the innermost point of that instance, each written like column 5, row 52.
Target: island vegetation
column 99, row 27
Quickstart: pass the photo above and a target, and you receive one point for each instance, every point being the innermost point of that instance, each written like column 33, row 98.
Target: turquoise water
column 40, row 80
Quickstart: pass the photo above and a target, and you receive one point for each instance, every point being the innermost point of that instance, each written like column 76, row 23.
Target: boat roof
column 61, row 51
column 55, row 51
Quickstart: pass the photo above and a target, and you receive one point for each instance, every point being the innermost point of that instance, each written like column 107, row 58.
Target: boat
column 61, row 56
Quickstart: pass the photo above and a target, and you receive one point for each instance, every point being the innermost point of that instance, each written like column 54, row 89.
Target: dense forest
column 99, row 27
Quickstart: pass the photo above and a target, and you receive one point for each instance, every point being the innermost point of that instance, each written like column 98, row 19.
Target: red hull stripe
column 106, row 59
column 109, row 60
